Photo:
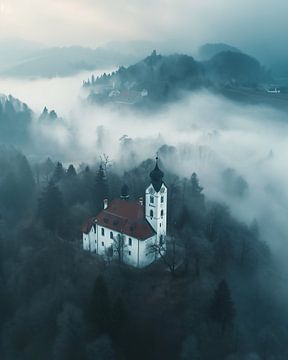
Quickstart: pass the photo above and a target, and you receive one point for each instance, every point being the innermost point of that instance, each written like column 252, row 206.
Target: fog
column 57, row 93
column 209, row 132
column 252, row 25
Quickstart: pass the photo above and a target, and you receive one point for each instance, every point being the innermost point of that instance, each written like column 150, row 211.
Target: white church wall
column 145, row 255
column 130, row 253
column 86, row 242
column 104, row 240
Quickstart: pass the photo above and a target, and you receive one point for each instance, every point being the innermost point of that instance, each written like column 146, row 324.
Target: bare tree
column 105, row 162
column 119, row 246
column 196, row 248
column 166, row 252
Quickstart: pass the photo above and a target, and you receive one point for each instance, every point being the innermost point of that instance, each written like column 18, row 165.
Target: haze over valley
column 108, row 108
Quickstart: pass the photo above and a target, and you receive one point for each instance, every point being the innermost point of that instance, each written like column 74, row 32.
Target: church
column 125, row 230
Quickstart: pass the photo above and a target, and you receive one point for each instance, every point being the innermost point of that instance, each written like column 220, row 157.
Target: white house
column 125, row 229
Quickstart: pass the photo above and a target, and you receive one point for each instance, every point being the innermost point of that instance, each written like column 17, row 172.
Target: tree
column 71, row 172
column 166, row 251
column 196, row 250
column 51, row 207
column 119, row 318
column 100, row 349
column 101, row 188
column 100, row 307
column 197, row 198
column 59, row 172
column 190, row 349
column 69, row 343
column 119, row 246
column 222, row 307
column 47, row 169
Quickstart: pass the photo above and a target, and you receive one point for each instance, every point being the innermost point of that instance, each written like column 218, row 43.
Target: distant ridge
column 165, row 78
column 207, row 51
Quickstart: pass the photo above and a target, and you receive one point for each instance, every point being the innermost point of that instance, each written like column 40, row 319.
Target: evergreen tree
column 100, row 307
column 183, row 219
column 47, row 169
column 196, row 192
column 101, row 189
column 71, row 172
column 119, row 317
column 51, row 207
column 69, row 343
column 222, row 307
column 100, row 349
column 59, row 172
column 190, row 349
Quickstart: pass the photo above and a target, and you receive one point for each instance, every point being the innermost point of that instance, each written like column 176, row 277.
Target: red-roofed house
column 125, row 229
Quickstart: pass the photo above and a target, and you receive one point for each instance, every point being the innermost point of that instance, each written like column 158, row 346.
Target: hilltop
column 158, row 78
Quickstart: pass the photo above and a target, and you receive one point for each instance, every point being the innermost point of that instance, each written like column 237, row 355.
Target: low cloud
column 204, row 133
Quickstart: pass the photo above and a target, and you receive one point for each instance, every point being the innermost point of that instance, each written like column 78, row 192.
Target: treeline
column 15, row 120
column 166, row 77
column 206, row 299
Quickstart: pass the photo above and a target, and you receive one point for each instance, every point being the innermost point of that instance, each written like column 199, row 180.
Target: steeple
column 156, row 176
column 124, row 192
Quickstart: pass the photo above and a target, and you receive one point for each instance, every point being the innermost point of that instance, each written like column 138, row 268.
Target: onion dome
column 156, row 176
column 124, row 192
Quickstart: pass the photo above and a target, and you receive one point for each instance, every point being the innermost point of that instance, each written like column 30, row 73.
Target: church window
column 162, row 199
column 102, row 243
column 162, row 213
column 130, row 242
column 111, row 235
column 129, row 253
column 151, row 213
column 102, row 232
column 152, row 199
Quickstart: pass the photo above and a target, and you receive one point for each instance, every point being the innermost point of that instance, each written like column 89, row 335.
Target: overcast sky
column 92, row 22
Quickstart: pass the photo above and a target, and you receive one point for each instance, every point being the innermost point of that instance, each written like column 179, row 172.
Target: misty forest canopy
column 166, row 77
column 212, row 296
column 15, row 121
column 206, row 299
column 156, row 79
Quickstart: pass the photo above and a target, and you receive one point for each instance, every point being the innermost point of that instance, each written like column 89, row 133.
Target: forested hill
column 15, row 120
column 214, row 295
column 162, row 78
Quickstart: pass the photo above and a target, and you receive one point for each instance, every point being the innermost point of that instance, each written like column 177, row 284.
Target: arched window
column 151, row 214
column 152, row 199
column 102, row 232
column 162, row 213
column 111, row 235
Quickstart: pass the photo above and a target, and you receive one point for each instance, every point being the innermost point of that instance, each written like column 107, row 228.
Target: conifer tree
column 71, row 172
column 101, row 189
column 100, row 307
column 222, row 307
column 119, row 317
column 59, row 172
column 69, row 344
column 196, row 191
column 51, row 207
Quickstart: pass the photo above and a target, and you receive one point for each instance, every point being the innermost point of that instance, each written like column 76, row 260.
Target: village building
column 128, row 230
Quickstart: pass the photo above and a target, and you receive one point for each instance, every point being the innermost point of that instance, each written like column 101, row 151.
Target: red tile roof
column 126, row 217
column 88, row 225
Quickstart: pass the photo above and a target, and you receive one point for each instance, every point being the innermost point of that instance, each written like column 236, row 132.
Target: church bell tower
column 156, row 203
